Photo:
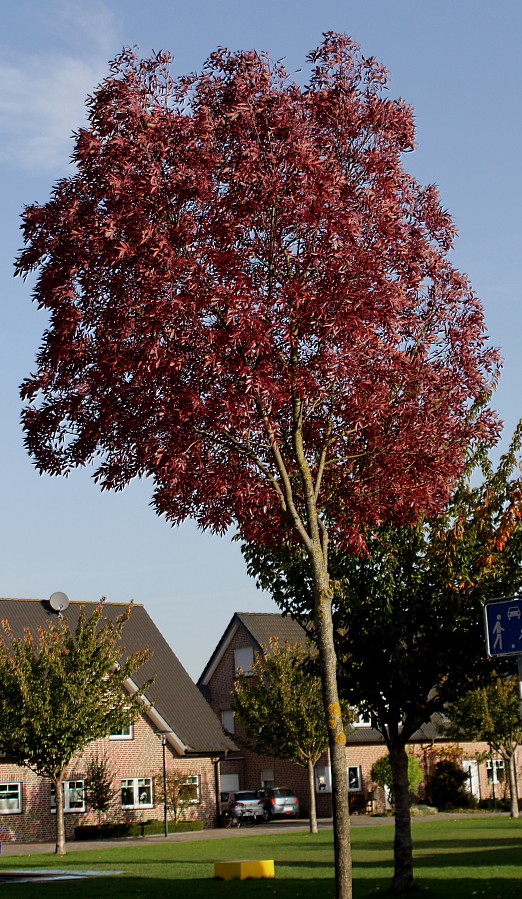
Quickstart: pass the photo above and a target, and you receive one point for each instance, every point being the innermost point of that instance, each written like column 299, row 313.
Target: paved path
column 215, row 834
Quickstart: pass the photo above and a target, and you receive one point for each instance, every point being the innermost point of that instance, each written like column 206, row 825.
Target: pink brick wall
column 138, row 757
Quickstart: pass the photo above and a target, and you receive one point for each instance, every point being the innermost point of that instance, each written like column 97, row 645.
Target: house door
column 473, row 783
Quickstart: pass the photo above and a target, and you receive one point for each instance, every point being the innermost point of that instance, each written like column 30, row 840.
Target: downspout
column 217, row 790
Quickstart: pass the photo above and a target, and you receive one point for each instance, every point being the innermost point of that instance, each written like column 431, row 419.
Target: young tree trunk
column 336, row 736
column 311, row 791
column 60, row 822
column 514, row 811
column 402, row 846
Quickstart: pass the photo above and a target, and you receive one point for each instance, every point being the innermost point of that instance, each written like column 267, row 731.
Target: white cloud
column 43, row 95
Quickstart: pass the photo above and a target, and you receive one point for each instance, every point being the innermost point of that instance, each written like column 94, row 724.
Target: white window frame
column 493, row 766
column 135, row 783
column 126, row 733
column 11, row 793
column 244, row 659
column 323, row 779
column 68, row 788
column 358, row 778
column 193, row 779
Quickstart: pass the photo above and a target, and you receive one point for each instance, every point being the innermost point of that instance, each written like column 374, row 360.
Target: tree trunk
column 311, row 791
column 514, row 811
column 60, row 822
column 336, row 735
column 402, row 845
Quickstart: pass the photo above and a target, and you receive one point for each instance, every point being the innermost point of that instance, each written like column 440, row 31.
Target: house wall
column 139, row 757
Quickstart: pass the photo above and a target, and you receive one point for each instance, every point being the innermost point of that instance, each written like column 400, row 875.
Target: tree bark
column 514, row 810
column 311, row 790
column 60, row 822
column 402, row 845
column 336, row 736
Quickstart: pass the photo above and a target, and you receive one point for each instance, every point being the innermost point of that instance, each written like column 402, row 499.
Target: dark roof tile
column 175, row 696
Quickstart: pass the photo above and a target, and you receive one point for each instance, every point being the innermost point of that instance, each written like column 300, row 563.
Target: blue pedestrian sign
column 503, row 619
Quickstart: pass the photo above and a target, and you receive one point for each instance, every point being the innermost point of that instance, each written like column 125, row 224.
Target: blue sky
column 456, row 61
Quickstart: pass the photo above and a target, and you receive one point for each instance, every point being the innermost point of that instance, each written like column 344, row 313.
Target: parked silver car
column 246, row 804
column 279, row 801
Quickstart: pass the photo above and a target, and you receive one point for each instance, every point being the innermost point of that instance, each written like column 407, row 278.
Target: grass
column 453, row 859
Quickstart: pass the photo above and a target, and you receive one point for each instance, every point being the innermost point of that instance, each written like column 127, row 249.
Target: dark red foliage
column 240, row 266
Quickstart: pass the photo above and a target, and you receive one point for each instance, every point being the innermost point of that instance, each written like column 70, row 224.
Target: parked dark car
column 279, row 801
column 246, row 803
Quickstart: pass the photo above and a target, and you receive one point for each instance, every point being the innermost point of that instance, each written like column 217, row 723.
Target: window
column 243, row 659
column 496, row 771
column 354, row 778
column 191, row 788
column 229, row 784
column 267, row 778
column 323, row 779
column 323, row 782
column 73, row 796
column 10, row 799
column 126, row 733
column 136, row 792
column 227, row 720
column 361, row 720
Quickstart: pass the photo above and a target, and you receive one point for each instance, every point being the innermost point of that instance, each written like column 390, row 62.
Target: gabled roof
column 258, row 627
column 177, row 704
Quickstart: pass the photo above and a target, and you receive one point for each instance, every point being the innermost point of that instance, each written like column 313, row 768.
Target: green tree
column 492, row 713
column 177, row 789
column 280, row 709
column 99, row 788
column 63, row 689
column 408, row 613
column 381, row 774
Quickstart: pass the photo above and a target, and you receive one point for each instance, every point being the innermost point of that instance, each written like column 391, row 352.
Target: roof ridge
column 73, row 602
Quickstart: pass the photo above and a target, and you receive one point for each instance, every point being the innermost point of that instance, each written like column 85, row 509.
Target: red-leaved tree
column 251, row 304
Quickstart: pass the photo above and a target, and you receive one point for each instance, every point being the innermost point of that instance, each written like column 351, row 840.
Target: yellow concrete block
column 240, row 870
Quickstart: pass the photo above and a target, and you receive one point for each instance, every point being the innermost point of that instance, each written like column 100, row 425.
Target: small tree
column 491, row 713
column 61, row 690
column 280, row 709
column 177, row 789
column 99, row 785
column 381, row 774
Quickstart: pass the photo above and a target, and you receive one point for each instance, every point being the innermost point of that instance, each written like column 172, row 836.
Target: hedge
column 132, row 829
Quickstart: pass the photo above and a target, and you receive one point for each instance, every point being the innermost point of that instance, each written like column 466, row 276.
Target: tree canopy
column 62, row 689
column 241, row 267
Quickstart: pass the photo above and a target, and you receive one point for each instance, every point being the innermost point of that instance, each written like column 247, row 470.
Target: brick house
column 244, row 636
column 174, row 711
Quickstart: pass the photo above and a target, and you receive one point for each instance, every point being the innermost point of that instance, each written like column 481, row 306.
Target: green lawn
column 454, row 859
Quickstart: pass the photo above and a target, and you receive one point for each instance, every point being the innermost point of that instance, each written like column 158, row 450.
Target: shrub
column 132, row 829
column 447, row 785
column 381, row 774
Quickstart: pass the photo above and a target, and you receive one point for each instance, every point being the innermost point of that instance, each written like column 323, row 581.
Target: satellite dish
column 59, row 601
